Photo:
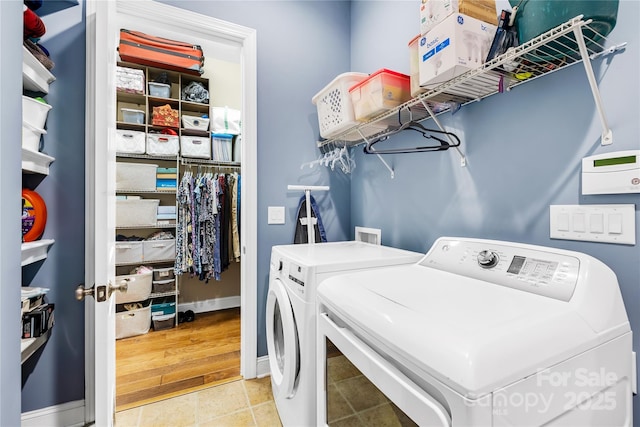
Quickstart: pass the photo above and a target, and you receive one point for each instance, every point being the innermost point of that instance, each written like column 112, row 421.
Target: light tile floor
column 239, row 403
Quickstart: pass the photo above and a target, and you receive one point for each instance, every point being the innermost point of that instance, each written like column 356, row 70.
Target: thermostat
column 611, row 173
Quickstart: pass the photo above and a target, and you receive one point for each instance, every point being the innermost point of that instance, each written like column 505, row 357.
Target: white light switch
column 615, row 223
column 275, row 215
column 578, row 222
column 594, row 223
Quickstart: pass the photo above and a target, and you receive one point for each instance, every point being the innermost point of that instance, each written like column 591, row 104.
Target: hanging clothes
column 301, row 234
column 206, row 220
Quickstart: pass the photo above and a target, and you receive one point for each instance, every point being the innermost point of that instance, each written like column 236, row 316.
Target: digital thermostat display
column 614, row 161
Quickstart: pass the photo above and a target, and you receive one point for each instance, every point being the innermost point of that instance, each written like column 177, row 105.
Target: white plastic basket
column 335, row 110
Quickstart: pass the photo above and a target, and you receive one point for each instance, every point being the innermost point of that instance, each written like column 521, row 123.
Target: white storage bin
column 333, row 102
column 136, row 176
column 133, row 322
column 129, row 80
column 130, row 141
column 128, row 252
column 136, row 213
column 163, row 273
column 226, row 120
column 31, row 136
column 35, row 112
column 138, row 287
column 160, row 90
column 159, row 250
column 130, row 115
column 195, row 146
column 159, row 144
column 195, row 123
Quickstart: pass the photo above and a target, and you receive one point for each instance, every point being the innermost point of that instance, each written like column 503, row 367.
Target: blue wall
column 55, row 374
column 524, row 151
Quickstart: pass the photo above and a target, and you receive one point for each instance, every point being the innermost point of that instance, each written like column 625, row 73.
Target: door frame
column 209, row 28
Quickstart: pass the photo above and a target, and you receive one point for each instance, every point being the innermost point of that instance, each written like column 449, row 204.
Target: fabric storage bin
column 129, row 80
column 195, row 122
column 138, row 287
column 195, row 146
column 31, row 136
column 128, row 252
column 130, row 141
column 164, row 307
column 159, row 250
column 226, row 120
column 333, row 103
column 159, row 144
column 161, row 286
column 382, row 91
column 163, row 273
column 34, row 111
column 136, row 213
column 130, row 115
column 160, row 90
column 130, row 323
column 136, row 176
column 166, row 321
column 164, row 115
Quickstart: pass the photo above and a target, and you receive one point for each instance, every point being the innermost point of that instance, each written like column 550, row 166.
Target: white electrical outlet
column 594, row 223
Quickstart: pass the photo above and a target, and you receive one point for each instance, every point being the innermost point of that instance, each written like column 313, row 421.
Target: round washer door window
column 282, row 340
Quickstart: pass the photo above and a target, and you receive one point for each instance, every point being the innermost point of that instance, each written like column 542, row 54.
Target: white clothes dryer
column 479, row 333
column 295, row 272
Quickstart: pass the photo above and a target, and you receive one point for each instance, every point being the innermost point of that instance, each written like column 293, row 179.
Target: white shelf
column 568, row 44
column 28, row 346
column 35, row 76
column 35, row 251
column 35, row 162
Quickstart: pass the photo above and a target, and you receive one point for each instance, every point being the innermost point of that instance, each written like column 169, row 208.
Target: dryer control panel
column 524, row 267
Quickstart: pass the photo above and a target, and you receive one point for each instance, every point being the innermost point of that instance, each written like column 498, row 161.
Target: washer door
column 282, row 340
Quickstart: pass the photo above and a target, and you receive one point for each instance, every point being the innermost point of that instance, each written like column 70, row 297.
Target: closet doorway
column 225, row 45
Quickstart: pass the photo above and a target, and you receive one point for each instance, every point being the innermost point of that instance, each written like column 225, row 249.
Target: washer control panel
column 525, row 267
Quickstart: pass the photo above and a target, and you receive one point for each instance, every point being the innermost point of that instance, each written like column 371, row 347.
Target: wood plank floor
column 168, row 363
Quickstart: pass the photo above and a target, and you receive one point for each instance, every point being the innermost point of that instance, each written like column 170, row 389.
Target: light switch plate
column 594, row 223
column 275, row 215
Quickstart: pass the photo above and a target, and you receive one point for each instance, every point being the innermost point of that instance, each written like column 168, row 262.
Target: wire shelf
column 547, row 53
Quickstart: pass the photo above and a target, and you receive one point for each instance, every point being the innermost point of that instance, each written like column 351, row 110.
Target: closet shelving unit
column 570, row 43
column 35, row 78
column 146, row 102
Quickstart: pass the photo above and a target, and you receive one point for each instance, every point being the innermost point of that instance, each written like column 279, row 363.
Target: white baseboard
column 63, row 415
column 211, row 304
column 262, row 367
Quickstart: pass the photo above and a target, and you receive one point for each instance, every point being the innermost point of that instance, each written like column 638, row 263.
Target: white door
column 100, row 215
column 102, row 20
column 282, row 340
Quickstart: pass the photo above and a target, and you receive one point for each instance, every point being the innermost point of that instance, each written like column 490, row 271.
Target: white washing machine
column 295, row 272
column 478, row 333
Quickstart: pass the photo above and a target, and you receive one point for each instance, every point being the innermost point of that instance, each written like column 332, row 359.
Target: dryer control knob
column 488, row 259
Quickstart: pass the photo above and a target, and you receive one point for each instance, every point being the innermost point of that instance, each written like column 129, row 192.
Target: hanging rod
column 207, row 162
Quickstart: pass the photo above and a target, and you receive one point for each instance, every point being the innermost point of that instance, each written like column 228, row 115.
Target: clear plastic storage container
column 382, row 91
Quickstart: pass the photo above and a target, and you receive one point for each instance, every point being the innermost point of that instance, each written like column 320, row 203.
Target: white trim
column 65, row 414
column 208, row 27
column 263, row 366
column 213, row 304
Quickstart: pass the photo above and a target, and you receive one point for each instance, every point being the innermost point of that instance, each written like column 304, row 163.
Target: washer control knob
column 488, row 259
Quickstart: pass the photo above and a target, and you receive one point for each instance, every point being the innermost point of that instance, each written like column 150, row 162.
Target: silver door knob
column 123, row 286
column 81, row 292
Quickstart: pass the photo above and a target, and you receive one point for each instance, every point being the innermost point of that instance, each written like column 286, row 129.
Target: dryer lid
column 472, row 335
